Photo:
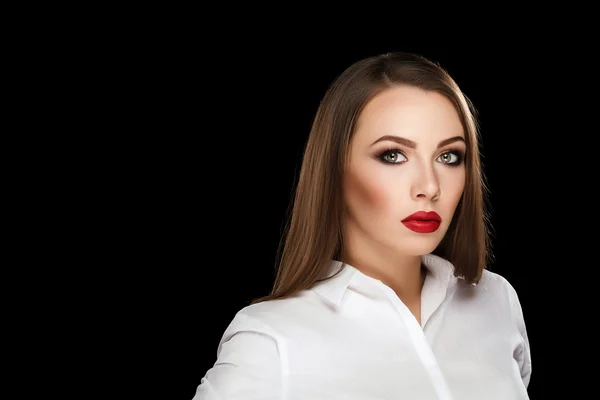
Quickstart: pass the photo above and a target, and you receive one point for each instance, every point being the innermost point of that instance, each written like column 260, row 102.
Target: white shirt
column 352, row 338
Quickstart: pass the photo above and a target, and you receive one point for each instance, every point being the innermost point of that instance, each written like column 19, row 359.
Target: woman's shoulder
column 271, row 316
column 494, row 287
column 491, row 280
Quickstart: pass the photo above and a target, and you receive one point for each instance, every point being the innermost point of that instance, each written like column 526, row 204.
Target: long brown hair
column 313, row 233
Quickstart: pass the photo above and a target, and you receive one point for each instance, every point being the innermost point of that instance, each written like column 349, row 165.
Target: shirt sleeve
column 522, row 352
column 248, row 364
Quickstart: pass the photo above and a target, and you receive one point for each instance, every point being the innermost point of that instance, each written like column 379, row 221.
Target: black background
column 151, row 153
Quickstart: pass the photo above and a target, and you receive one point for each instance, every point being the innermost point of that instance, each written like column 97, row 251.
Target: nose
column 426, row 184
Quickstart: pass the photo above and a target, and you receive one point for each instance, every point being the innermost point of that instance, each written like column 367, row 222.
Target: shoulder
column 499, row 285
column 492, row 284
column 250, row 358
column 495, row 294
column 275, row 317
column 493, row 291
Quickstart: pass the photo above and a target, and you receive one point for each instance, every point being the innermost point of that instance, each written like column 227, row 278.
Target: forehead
column 409, row 112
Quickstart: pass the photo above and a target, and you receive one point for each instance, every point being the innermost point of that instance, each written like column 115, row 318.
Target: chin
column 420, row 246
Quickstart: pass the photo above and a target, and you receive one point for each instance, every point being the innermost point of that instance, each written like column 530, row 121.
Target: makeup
column 423, row 222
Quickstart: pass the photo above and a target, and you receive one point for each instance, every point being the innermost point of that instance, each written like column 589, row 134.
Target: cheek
column 365, row 191
column 454, row 189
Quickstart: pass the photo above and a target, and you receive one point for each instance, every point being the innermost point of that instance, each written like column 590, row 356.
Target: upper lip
column 423, row 216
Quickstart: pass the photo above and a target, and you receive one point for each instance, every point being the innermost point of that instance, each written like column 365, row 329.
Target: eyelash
column 458, row 153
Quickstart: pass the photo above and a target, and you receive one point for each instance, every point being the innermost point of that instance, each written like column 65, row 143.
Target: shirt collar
column 341, row 275
column 338, row 278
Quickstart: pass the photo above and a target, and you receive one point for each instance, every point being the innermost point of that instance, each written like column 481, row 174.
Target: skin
column 379, row 194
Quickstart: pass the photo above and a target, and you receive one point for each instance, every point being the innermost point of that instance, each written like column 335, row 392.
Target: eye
column 392, row 157
column 450, row 157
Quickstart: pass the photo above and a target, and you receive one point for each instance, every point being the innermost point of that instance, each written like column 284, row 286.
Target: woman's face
column 406, row 156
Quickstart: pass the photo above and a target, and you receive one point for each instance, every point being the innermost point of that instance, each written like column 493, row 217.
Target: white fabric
column 352, row 338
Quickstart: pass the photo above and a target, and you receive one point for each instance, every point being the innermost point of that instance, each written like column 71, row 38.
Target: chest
column 377, row 353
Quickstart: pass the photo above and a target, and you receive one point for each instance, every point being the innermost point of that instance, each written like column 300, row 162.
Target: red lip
column 423, row 222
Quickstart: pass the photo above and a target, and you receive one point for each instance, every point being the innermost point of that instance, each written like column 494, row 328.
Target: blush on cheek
column 364, row 191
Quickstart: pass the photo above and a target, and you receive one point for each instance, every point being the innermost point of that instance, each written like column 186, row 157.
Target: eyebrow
column 413, row 145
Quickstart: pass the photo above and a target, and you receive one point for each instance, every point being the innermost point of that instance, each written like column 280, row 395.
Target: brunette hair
column 313, row 232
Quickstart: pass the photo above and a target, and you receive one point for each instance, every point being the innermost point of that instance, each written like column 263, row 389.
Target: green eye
column 392, row 157
column 450, row 157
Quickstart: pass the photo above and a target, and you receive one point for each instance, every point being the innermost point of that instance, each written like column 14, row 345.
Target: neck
column 403, row 274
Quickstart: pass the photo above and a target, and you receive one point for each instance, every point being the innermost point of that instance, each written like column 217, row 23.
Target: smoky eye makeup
column 395, row 156
column 392, row 156
column 452, row 157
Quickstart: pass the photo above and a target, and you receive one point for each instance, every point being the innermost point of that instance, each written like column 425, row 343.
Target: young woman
column 382, row 290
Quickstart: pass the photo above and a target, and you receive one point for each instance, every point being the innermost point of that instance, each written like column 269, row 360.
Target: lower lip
column 422, row 226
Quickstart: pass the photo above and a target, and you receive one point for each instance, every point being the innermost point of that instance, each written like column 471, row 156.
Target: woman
column 382, row 291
